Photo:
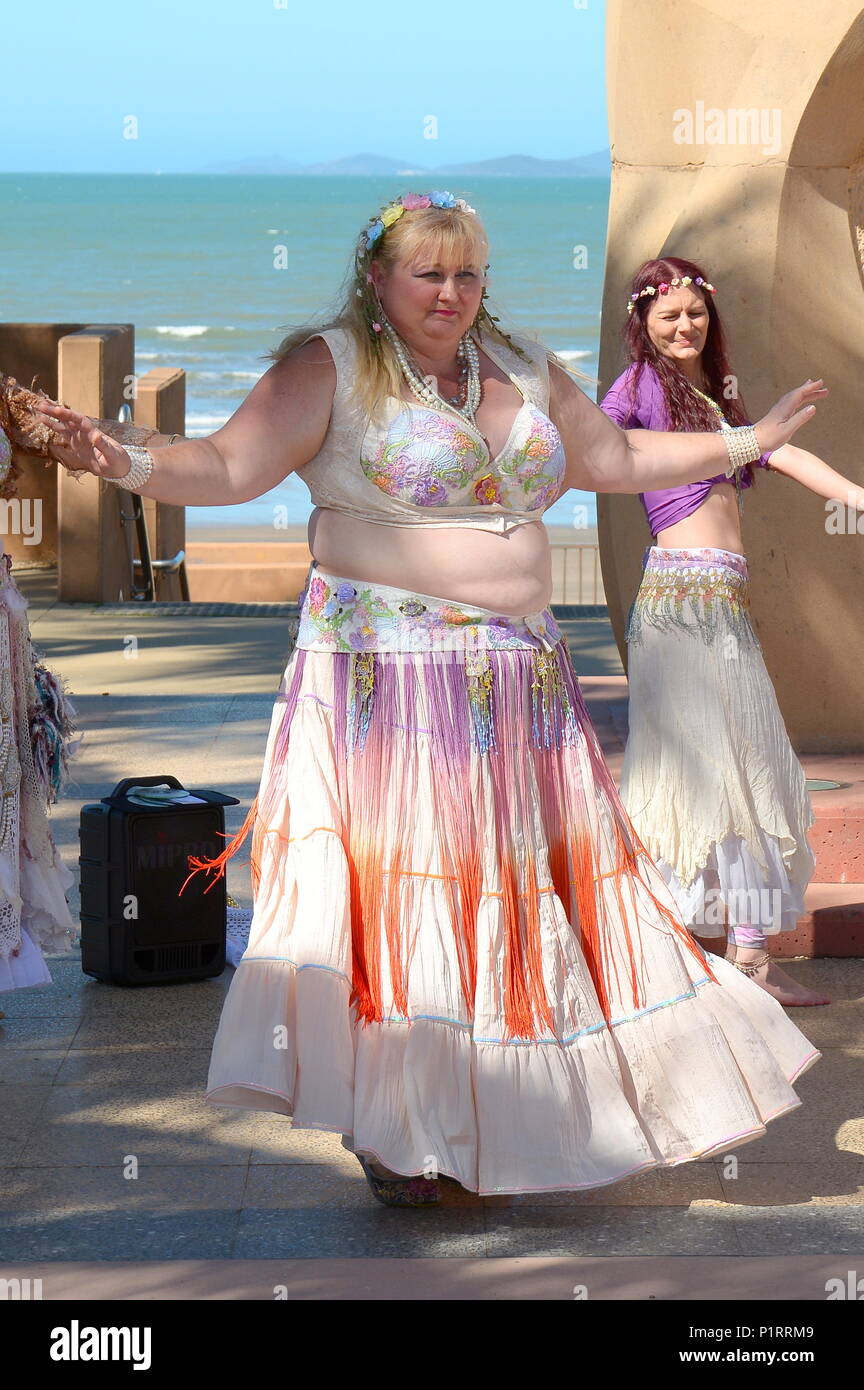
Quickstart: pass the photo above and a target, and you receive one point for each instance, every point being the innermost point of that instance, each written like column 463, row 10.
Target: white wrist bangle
column 742, row 446
column 140, row 468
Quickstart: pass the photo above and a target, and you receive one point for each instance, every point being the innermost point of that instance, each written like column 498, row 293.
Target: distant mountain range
column 510, row 166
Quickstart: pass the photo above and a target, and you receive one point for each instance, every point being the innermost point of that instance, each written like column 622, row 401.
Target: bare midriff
column 509, row 573
column 716, row 524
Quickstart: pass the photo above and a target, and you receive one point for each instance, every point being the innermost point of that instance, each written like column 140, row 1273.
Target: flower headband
column 664, row 288
column 410, row 202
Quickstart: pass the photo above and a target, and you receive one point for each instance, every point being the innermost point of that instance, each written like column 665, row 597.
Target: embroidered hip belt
column 353, row 615
column 362, row 622
column 704, row 590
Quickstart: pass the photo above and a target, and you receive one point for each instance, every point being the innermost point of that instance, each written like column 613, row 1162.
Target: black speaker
column 135, row 928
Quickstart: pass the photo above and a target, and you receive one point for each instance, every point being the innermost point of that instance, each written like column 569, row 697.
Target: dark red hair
column 687, row 410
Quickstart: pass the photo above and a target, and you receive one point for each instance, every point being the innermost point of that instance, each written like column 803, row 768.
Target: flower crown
column 410, row 202
column 680, row 282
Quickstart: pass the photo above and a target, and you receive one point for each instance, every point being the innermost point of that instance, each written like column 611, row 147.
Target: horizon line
column 238, row 174
column 307, row 170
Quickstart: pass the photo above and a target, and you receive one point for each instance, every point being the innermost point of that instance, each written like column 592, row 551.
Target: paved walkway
column 92, row 1074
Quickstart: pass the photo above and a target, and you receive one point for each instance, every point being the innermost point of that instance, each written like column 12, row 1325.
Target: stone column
column 737, row 135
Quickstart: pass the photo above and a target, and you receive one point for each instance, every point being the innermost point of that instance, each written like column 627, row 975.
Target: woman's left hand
column 80, row 445
column 787, row 416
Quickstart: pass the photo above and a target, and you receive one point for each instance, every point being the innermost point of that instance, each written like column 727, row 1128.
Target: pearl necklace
column 468, row 354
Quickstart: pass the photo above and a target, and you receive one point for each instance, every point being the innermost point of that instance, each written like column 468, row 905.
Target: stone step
column 267, row 552
column 276, row 577
column 832, row 925
column 837, row 836
column 274, row 570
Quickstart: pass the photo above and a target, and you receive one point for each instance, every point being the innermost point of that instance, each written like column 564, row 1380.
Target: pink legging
column 748, row 936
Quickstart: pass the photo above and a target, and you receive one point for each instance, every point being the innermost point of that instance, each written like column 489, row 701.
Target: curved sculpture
column 737, row 138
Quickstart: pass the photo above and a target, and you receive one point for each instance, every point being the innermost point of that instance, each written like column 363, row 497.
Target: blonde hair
column 448, row 233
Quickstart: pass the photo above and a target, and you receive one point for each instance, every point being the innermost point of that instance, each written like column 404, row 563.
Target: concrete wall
column 780, row 228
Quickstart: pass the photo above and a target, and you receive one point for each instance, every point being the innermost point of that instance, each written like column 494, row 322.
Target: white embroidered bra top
column 418, row 466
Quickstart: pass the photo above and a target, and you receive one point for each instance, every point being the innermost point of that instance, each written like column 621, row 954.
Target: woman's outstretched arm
column 277, row 429
column 601, row 457
column 814, row 473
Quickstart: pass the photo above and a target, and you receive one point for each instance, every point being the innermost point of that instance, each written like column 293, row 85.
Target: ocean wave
column 183, row 330
column 205, row 421
column 574, row 354
column 219, row 376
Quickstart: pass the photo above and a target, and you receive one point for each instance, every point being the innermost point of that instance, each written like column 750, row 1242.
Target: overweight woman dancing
column 462, row 958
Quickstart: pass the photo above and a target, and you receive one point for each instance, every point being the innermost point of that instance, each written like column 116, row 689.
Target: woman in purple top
column 710, row 779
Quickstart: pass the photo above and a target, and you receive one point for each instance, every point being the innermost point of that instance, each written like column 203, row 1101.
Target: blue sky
column 209, row 80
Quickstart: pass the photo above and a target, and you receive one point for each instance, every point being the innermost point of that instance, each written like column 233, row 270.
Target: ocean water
column 191, row 261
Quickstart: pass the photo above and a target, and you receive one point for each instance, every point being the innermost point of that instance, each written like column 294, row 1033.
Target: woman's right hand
column 788, row 415
column 80, row 445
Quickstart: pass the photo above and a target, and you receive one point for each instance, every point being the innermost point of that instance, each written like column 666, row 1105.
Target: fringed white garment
column 34, row 914
column 461, row 954
column 710, row 779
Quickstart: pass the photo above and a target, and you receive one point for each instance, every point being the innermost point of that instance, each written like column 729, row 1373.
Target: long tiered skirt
column 462, row 958
column 710, row 779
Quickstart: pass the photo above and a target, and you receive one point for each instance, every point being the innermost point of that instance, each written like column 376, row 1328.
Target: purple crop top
column 649, row 412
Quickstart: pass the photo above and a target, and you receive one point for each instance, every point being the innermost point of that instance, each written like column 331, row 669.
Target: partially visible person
column 36, row 728
column 710, row 779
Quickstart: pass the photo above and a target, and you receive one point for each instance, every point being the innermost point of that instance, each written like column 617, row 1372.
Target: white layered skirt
column 710, row 779
column 461, row 956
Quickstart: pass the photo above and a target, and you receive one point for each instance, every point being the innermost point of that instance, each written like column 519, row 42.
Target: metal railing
column 576, row 575
column 143, row 568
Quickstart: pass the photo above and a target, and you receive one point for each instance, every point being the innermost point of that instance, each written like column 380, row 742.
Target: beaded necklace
column 724, row 425
column 713, row 404
column 466, row 401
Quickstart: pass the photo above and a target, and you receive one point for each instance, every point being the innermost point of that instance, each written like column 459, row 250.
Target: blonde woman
column 462, row 959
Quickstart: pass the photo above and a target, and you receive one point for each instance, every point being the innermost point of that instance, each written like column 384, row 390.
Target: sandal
column 400, row 1192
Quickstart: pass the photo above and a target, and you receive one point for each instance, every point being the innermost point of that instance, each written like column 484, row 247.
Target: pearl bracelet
column 140, row 468
column 742, row 445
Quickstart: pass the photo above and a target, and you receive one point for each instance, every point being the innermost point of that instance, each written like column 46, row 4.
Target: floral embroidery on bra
column 428, row 459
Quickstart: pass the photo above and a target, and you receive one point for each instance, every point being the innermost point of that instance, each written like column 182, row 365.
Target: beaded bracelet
column 742, row 445
column 140, row 468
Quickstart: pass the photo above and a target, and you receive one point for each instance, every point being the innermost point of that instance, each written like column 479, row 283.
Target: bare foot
column 773, row 980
